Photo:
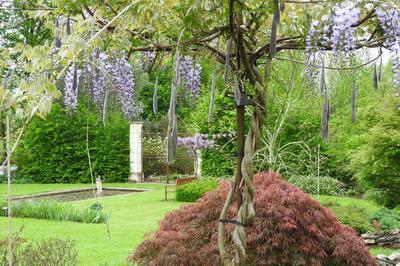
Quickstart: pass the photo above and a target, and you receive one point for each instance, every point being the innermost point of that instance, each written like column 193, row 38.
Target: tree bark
column 240, row 128
column 3, row 154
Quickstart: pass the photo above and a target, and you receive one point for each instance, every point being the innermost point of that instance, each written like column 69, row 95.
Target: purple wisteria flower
column 336, row 31
column 147, row 60
column 71, row 83
column 113, row 75
column 389, row 18
column 190, row 75
column 345, row 16
column 314, row 54
column 124, row 81
column 99, row 80
column 196, row 142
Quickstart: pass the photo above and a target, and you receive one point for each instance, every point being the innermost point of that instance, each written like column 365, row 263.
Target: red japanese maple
column 290, row 229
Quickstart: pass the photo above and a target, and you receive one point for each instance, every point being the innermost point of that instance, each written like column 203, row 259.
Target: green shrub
column 352, row 215
column 388, row 219
column 192, row 191
column 49, row 252
column 376, row 162
column 327, row 185
column 380, row 196
column 54, row 150
column 17, row 243
column 55, row 210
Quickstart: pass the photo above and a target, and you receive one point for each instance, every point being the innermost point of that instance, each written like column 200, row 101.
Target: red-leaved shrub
column 290, row 229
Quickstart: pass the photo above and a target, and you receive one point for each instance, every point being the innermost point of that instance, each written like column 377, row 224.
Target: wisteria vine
column 71, row 83
column 190, row 75
column 336, row 30
column 106, row 75
column 196, row 142
column 389, row 18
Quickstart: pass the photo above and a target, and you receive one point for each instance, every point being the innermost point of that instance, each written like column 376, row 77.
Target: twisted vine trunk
column 246, row 145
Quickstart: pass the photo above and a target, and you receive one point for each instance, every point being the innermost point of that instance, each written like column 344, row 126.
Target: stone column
column 197, row 164
column 136, row 152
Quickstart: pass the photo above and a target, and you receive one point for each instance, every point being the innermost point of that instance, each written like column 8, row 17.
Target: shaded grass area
column 132, row 216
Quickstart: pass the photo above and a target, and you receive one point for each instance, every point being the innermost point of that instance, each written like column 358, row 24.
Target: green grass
column 384, row 251
column 132, row 216
column 370, row 206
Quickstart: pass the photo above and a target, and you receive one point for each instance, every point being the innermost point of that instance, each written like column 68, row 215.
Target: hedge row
column 54, row 150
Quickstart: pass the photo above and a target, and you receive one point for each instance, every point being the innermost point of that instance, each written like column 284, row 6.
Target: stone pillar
column 136, row 172
column 197, row 163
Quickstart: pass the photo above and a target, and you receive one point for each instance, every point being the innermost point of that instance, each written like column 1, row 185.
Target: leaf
column 105, row 107
column 238, row 93
column 227, row 58
column 325, row 117
column 380, row 70
column 68, row 26
column 274, row 29
column 172, row 133
column 155, row 103
column 375, row 78
column 58, row 39
column 282, row 5
column 212, row 98
column 323, row 81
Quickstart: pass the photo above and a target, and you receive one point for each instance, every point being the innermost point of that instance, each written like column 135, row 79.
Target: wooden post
column 10, row 255
column 167, row 168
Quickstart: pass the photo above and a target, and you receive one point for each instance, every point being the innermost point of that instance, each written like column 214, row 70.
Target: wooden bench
column 178, row 182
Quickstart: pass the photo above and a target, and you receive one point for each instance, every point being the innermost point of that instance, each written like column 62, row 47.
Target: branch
column 304, row 1
column 332, row 68
column 371, row 14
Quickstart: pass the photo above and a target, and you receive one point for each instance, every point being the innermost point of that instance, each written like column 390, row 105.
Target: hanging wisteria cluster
column 196, row 142
column 108, row 75
column 71, row 83
column 336, row 31
column 389, row 18
column 147, row 60
column 122, row 76
column 344, row 18
column 313, row 50
column 190, row 75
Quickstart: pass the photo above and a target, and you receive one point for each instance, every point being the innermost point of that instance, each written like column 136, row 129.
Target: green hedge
column 376, row 162
column 54, row 149
column 192, row 191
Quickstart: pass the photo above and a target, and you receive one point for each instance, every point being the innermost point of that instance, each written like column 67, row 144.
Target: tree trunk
column 240, row 128
column 3, row 149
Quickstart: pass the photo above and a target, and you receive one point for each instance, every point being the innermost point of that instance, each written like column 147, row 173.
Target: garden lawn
column 132, row 216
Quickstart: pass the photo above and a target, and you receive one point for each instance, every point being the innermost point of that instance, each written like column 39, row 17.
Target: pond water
column 76, row 194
